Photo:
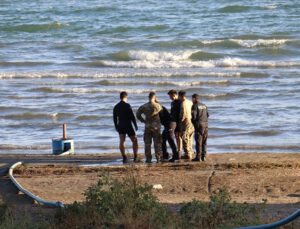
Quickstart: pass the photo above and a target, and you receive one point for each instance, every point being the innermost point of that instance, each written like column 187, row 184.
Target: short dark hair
column 172, row 92
column 123, row 94
column 182, row 93
column 151, row 94
column 196, row 96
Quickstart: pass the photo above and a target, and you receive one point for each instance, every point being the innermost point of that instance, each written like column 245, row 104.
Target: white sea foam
column 224, row 62
column 260, row 42
column 160, row 56
column 89, row 91
column 271, row 7
column 160, row 64
column 167, row 73
column 208, row 42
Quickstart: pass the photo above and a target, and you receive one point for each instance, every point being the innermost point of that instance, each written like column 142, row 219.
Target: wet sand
column 251, row 178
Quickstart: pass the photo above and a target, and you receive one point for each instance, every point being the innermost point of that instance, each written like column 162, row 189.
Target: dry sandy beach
column 251, row 178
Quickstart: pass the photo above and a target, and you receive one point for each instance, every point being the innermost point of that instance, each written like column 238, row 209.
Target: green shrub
column 218, row 213
column 7, row 221
column 113, row 203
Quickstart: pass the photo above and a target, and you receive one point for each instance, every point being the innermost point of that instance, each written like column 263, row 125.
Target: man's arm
column 194, row 113
column 183, row 112
column 139, row 113
column 115, row 118
column 207, row 112
column 133, row 118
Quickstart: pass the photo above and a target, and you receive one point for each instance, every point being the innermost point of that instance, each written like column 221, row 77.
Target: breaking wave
column 154, row 73
column 260, row 42
column 234, row 9
column 245, row 41
column 31, row 28
column 162, row 83
column 85, row 90
column 35, row 116
column 181, row 60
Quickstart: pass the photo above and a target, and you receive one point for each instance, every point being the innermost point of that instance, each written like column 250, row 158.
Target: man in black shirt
column 174, row 123
column 123, row 119
column 165, row 119
column 200, row 121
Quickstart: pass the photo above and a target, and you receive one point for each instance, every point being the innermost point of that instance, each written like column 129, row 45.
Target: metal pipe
column 276, row 224
column 65, row 131
column 26, row 192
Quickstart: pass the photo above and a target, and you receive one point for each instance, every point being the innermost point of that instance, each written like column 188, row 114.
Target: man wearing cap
column 150, row 111
column 186, row 125
column 123, row 120
column 200, row 121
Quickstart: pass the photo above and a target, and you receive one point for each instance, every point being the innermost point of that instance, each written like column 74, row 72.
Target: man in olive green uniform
column 187, row 126
column 150, row 111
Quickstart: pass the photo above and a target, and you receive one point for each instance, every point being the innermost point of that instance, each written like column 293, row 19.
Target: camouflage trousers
column 149, row 134
column 187, row 140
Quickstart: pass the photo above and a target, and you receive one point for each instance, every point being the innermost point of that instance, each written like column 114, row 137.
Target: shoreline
column 251, row 178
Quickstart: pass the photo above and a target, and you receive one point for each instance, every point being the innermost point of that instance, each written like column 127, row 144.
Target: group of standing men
column 185, row 120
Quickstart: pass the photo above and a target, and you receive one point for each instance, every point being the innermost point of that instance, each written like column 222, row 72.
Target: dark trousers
column 168, row 135
column 201, row 134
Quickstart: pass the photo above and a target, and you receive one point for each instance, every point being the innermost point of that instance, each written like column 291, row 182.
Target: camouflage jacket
column 186, row 111
column 149, row 114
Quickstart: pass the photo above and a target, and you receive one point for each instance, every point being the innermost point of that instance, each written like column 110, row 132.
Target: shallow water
column 68, row 61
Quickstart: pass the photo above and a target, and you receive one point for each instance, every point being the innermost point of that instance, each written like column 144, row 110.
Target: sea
column 67, row 61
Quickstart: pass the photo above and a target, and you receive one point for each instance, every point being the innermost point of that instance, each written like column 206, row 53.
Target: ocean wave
column 244, row 41
column 247, row 43
column 200, row 55
column 87, row 117
column 31, row 115
column 157, row 61
column 4, row 108
column 234, row 9
column 125, row 29
column 254, row 90
column 224, row 129
column 260, row 42
column 161, row 83
column 264, row 133
column 23, row 63
column 243, row 8
column 86, row 90
column 132, row 73
column 93, row 9
column 160, row 56
column 31, row 28
column 221, row 96
column 253, row 75
column 260, row 133
column 120, row 56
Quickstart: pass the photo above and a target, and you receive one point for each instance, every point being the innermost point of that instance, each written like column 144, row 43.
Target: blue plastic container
column 60, row 146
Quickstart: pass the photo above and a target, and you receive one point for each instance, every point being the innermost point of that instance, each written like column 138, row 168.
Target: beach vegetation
column 127, row 203
column 219, row 212
column 8, row 221
column 113, row 203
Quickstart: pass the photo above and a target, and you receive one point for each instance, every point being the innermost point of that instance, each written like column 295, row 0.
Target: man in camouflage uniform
column 150, row 111
column 187, row 127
